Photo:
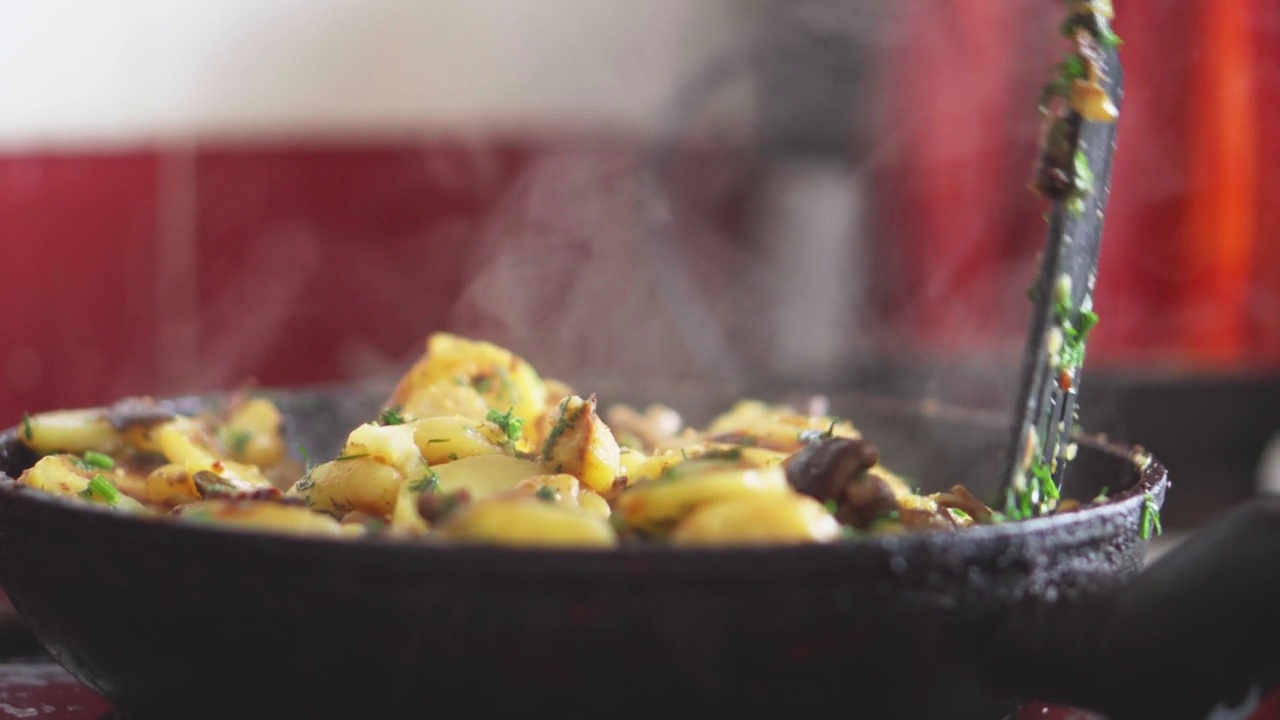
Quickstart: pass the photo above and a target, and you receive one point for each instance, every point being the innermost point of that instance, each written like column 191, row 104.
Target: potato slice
column 581, row 444
column 393, row 445
column 661, row 463
column 445, row 439
column 445, row 400
column 527, row 521
column 655, row 505
column 71, row 431
column 484, row 476
column 360, row 483
column 254, row 433
column 270, row 516
column 777, row 427
column 64, row 475
column 759, row 518
column 566, row 491
column 502, row 378
column 185, row 442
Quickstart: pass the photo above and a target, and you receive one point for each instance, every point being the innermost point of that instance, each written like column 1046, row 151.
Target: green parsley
column 567, row 420
column 26, row 426
column 96, row 459
column 351, row 456
column 830, row 505
column 453, row 456
column 437, row 440
column 306, row 482
column 508, row 422
column 430, row 482
column 101, row 488
column 1150, row 518
column 391, row 416
column 1101, row 496
column 238, row 440
column 547, row 493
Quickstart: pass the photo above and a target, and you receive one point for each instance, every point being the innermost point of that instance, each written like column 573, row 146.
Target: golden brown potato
column 776, row 427
column 254, row 433
column 655, row 505
column 503, row 379
column 445, row 400
column 393, row 445
column 362, row 484
column 580, row 444
column 70, row 431
column 527, row 521
column 269, row 516
column 68, row 476
column 445, row 439
column 566, row 491
column 485, row 475
column 758, row 518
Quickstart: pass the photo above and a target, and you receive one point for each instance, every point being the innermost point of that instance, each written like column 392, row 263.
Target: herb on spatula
column 1073, row 171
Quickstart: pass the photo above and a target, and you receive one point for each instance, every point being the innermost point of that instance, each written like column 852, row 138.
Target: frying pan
column 186, row 620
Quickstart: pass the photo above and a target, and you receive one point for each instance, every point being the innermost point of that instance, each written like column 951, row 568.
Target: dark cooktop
column 34, row 686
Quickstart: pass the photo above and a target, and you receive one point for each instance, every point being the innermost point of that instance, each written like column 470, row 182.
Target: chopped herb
column 430, row 482
column 508, row 422
column 100, row 487
column 391, row 416
column 437, row 440
column 566, row 421
column 238, row 440
column 483, row 384
column 350, row 456
column 1150, row 518
column 306, row 482
column 547, row 493
column 26, row 426
column 847, row 532
column 830, row 505
column 1101, row 496
column 99, row 460
column 453, row 456
column 960, row 514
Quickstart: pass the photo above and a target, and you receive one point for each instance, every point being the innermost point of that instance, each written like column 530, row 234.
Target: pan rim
column 1152, row 481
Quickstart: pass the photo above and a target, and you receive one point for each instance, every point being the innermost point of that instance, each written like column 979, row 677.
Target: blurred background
column 823, row 195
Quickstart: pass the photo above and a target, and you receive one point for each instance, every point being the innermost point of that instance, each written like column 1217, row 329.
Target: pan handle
column 1199, row 628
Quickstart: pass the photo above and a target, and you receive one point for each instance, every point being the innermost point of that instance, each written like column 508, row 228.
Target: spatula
column 1081, row 106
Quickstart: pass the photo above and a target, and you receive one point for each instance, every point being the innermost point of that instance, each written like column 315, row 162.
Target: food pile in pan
column 475, row 446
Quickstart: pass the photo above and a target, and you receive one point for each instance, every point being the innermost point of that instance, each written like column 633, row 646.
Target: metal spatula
column 1075, row 173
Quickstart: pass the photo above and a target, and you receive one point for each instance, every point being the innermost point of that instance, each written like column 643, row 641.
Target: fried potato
column 65, row 475
column 758, row 518
column 254, row 433
column 445, row 400
column 754, row 423
column 361, row 484
column 271, row 516
column 71, row 431
column 445, row 439
column 581, row 444
column 527, row 521
column 503, row 379
column 484, row 476
column 655, row 505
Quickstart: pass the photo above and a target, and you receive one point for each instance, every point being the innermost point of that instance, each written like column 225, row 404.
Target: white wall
column 111, row 71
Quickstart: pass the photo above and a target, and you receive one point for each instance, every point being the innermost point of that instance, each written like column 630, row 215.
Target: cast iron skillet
column 175, row 620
